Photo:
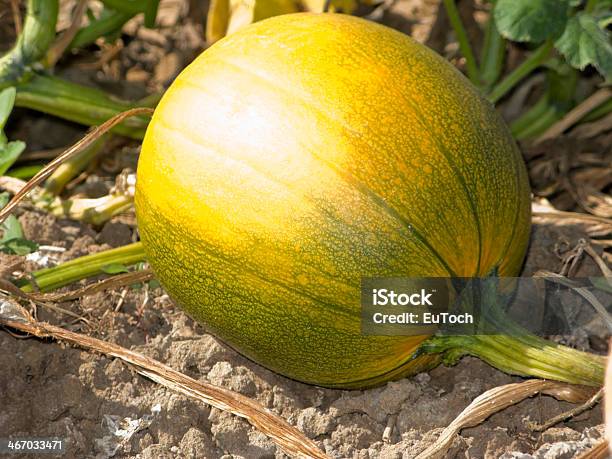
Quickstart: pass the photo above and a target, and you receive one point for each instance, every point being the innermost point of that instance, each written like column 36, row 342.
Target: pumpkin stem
column 509, row 347
column 526, row 355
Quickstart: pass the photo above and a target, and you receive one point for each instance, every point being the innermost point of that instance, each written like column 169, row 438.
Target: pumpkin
column 307, row 151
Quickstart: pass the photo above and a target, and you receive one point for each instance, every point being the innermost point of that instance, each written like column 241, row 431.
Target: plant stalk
column 598, row 112
column 523, row 355
column 590, row 5
column 529, row 117
column 91, row 210
column 547, row 118
column 37, row 36
column 81, row 268
column 537, row 58
column 507, row 346
column 492, row 54
column 454, row 18
column 25, row 172
column 77, row 103
column 133, row 7
column 109, row 23
column 71, row 168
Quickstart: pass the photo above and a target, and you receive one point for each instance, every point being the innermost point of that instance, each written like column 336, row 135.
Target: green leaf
column 91, row 16
column 604, row 20
column 531, row 20
column 4, row 199
column 114, row 268
column 9, row 154
column 19, row 246
column 12, row 229
column 602, row 5
column 25, row 172
column 154, row 283
column 7, row 100
column 12, row 240
column 150, row 13
column 585, row 43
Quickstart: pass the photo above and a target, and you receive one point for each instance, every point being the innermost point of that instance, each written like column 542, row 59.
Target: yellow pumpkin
column 305, row 152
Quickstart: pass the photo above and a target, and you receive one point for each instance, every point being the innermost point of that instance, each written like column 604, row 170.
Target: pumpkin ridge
column 274, row 85
column 244, row 268
column 368, row 193
column 161, row 122
column 446, row 153
column 457, row 173
column 380, row 201
column 199, row 144
column 357, row 136
column 517, row 175
column 443, row 149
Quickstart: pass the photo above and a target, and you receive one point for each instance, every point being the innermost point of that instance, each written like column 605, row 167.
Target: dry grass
column 287, row 437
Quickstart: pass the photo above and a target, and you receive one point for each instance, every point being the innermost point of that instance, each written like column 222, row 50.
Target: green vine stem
column 55, row 96
column 537, row 58
column 133, row 7
column 524, row 355
column 25, row 172
column 464, row 44
column 559, row 98
column 530, row 116
column 71, row 168
column 590, row 5
column 74, row 102
column 32, row 44
column 83, row 267
column 549, row 116
column 91, row 210
column 492, row 54
column 509, row 347
column 598, row 112
column 110, row 22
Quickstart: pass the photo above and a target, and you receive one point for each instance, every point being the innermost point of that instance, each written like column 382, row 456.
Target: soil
column 54, row 390
column 48, row 389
